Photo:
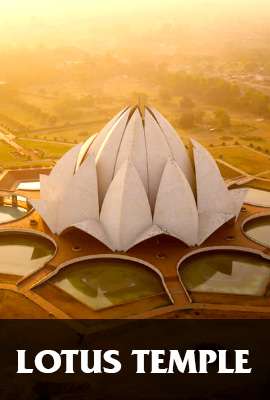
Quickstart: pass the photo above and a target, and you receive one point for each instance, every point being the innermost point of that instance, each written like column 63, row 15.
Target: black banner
column 161, row 379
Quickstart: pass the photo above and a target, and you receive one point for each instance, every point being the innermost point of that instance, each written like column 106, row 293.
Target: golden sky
column 40, row 21
column 20, row 8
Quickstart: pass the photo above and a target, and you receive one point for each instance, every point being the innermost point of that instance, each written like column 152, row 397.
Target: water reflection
column 23, row 253
column 9, row 213
column 258, row 229
column 102, row 283
column 231, row 272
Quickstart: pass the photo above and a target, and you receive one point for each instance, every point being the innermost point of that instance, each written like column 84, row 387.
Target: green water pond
column 232, row 272
column 22, row 253
column 9, row 213
column 258, row 229
column 102, row 283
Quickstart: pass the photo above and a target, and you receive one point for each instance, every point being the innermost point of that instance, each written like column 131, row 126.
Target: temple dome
column 135, row 180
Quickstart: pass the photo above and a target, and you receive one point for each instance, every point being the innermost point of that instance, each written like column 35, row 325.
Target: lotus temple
column 133, row 224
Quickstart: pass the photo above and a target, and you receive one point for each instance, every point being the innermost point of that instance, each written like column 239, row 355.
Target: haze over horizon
column 82, row 23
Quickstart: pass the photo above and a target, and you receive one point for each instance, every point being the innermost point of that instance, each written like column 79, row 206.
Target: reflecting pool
column 258, row 229
column 22, row 253
column 13, row 207
column 10, row 213
column 232, row 272
column 102, row 283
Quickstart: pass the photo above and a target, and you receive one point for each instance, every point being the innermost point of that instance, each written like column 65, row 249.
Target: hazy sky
column 38, row 21
column 18, row 9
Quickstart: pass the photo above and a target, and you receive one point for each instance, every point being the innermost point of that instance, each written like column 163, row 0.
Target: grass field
column 28, row 164
column 227, row 172
column 8, row 156
column 247, row 160
column 69, row 134
column 6, row 153
column 258, row 184
column 16, row 113
column 8, row 159
column 265, row 175
column 49, row 150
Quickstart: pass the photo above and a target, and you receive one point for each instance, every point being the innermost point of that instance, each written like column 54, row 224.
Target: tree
column 222, row 119
column 186, row 103
column 199, row 116
column 187, row 120
column 164, row 95
column 52, row 120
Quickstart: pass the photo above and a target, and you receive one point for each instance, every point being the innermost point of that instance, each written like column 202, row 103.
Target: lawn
column 49, row 150
column 6, row 155
column 227, row 172
column 265, row 175
column 247, row 160
column 258, row 184
column 67, row 134
column 27, row 164
column 9, row 159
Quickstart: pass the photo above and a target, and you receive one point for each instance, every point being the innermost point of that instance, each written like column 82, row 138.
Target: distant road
column 46, row 141
column 7, row 138
column 256, row 151
column 239, row 171
column 65, row 127
column 11, row 142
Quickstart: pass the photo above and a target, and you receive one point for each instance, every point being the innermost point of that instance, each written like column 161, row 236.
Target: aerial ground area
column 230, row 116
column 65, row 255
column 56, row 92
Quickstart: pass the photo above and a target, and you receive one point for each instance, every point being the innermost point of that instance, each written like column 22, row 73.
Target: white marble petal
column 177, row 147
column 80, row 200
column 131, row 170
column 64, row 168
column 238, row 196
column 45, row 185
column 125, row 212
column 176, row 211
column 53, row 186
column 149, row 233
column 214, row 202
column 106, row 130
column 133, row 148
column 83, row 151
column 158, row 152
column 48, row 212
column 210, row 222
column 107, row 155
column 95, row 229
